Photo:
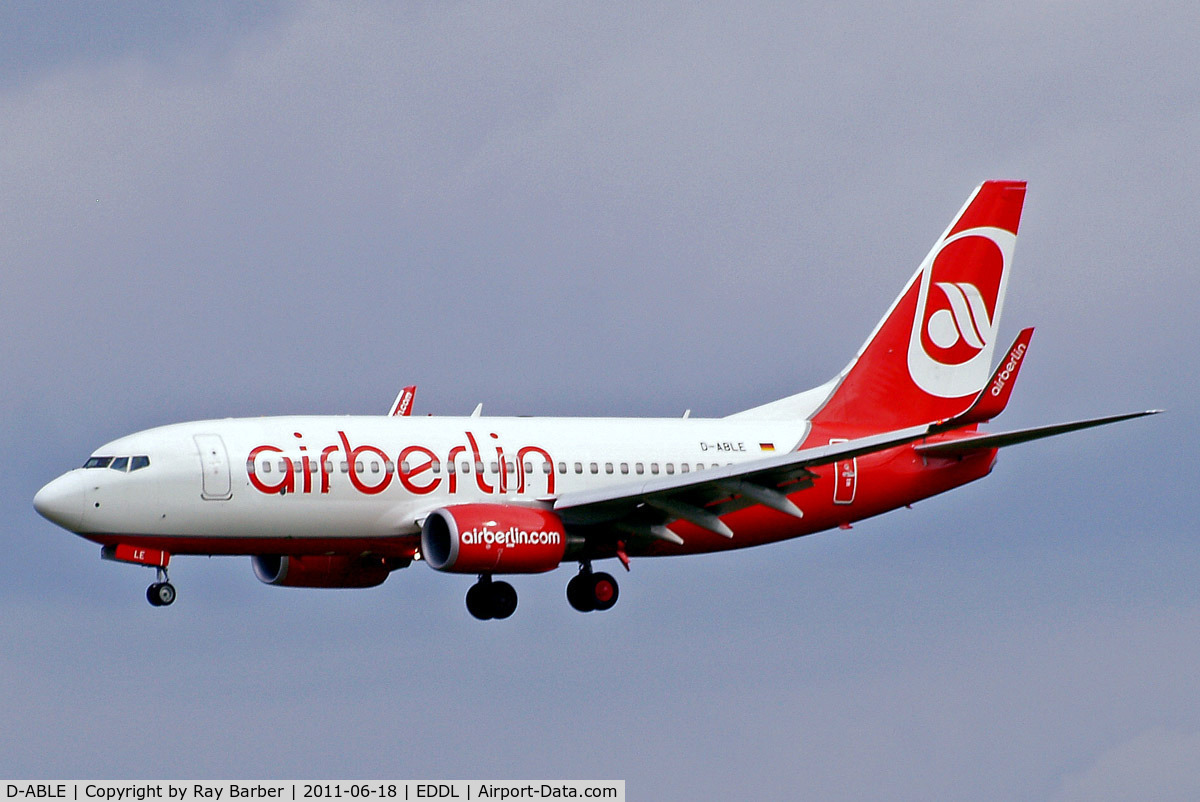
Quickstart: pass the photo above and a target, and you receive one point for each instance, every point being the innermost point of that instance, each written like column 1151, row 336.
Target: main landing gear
column 487, row 599
column 592, row 591
column 162, row 592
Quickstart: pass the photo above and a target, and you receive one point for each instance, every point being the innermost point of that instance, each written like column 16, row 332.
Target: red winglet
column 994, row 398
column 403, row 403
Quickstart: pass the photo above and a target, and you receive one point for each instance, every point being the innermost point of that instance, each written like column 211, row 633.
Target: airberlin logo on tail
column 958, row 306
column 966, row 320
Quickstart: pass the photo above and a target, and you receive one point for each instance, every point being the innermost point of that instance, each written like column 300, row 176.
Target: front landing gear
column 161, row 593
column 592, row 591
column 487, row 599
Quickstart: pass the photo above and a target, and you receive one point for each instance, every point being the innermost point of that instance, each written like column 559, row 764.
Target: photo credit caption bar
column 298, row 791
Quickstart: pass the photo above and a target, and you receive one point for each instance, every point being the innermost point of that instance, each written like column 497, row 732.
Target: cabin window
column 328, row 466
column 494, row 467
column 683, row 468
column 312, row 466
column 284, row 465
column 437, row 466
column 404, row 467
column 547, row 467
column 699, row 466
column 358, row 466
column 593, row 467
column 624, row 467
column 639, row 468
column 374, row 466
column 653, row 467
column 608, row 467
column 510, row 467
column 670, row 467
column 388, row 466
column 266, row 467
column 578, row 467
column 97, row 462
column 528, row 467
column 478, row 466
column 562, row 467
column 120, row 464
column 345, row 467
column 137, row 463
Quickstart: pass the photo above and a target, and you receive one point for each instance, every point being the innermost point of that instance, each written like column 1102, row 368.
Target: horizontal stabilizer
column 950, row 448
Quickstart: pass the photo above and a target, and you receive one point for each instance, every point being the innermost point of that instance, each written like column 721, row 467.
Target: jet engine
column 486, row 538
column 321, row 571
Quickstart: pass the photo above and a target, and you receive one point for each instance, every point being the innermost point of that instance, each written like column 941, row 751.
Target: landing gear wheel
column 604, row 591
column 579, row 594
column 504, row 600
column 487, row 599
column 161, row 594
column 588, row 591
column 479, row 600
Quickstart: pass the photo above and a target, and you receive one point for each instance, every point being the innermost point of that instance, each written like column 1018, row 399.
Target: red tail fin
column 930, row 356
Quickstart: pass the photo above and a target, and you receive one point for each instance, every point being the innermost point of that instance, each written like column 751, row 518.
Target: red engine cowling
column 321, row 571
column 477, row 538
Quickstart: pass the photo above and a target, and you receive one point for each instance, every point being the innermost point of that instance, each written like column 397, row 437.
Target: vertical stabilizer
column 931, row 354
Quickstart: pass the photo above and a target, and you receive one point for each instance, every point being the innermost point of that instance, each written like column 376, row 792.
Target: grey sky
column 634, row 211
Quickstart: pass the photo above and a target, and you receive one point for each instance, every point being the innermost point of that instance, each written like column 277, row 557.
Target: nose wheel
column 487, row 599
column 592, row 591
column 161, row 593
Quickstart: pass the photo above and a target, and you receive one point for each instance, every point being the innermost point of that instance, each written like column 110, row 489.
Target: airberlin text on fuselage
column 418, row 468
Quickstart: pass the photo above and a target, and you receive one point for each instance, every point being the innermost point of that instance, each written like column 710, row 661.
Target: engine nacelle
column 478, row 538
column 321, row 571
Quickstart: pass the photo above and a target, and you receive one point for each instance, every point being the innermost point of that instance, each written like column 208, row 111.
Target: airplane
column 342, row 502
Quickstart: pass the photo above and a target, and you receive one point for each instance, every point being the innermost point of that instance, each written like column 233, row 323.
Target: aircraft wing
column 963, row 445
column 644, row 507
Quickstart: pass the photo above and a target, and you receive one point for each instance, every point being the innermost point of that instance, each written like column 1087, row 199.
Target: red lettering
column 526, row 451
column 352, row 455
column 484, row 486
column 501, row 464
column 286, row 485
column 417, row 478
column 406, row 476
column 452, row 467
column 326, row 467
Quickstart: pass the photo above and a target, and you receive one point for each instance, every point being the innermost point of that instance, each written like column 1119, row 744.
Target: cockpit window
column 121, row 464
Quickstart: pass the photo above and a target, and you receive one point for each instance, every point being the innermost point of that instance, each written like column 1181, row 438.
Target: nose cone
column 61, row 501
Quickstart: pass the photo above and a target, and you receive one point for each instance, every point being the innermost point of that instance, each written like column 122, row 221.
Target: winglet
column 994, row 397
column 403, row 404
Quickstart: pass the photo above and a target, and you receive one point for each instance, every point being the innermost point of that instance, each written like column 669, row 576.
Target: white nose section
column 61, row 501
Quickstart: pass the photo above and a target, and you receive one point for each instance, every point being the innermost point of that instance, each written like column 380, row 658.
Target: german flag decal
column 766, row 446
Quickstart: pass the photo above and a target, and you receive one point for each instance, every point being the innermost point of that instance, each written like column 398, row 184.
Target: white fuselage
column 372, row 477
